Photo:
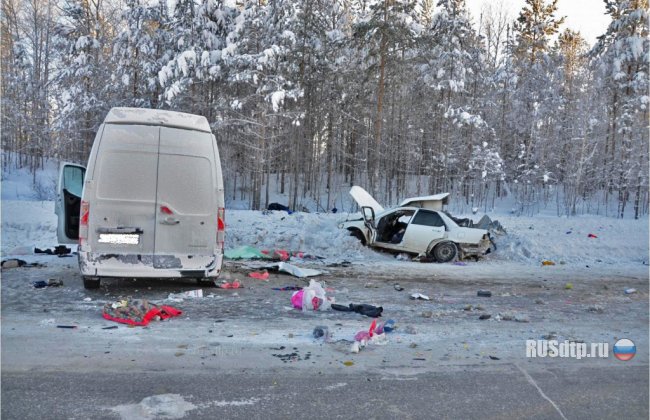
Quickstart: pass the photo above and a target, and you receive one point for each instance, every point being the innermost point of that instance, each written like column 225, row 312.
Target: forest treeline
column 403, row 97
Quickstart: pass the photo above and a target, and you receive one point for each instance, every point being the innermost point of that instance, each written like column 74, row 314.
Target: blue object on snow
column 389, row 326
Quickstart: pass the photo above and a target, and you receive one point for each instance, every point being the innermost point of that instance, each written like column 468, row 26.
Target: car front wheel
column 445, row 252
column 357, row 234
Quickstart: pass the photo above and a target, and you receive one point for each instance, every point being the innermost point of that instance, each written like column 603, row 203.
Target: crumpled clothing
column 137, row 312
column 363, row 309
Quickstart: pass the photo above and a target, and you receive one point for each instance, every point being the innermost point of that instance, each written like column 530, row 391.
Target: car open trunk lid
column 431, row 202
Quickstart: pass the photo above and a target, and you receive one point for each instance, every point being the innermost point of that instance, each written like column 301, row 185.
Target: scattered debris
column 112, row 327
column 348, row 363
column 540, row 302
column 506, row 316
column 485, row 316
column 387, row 327
column 178, row 297
column 550, row 336
column 311, row 297
column 340, row 264
column 88, row 299
column 15, row 263
column 460, row 263
column 547, row 262
column 57, row 250
column 370, row 286
column 468, row 308
column 494, row 357
column 591, row 235
column 597, row 309
column 137, row 312
column 568, row 286
column 245, row 252
column 234, row 285
column 287, row 288
column 630, row 291
column 293, row 270
column 412, row 345
column 397, row 287
column 420, row 296
column 49, row 283
column 277, row 254
column 292, row 357
column 484, row 293
column 67, row 326
column 410, row 329
column 403, row 257
column 521, row 318
column 321, row 331
column 260, row 275
column 362, row 308
column 427, row 314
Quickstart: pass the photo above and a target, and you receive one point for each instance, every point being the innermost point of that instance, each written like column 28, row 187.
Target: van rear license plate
column 119, row 238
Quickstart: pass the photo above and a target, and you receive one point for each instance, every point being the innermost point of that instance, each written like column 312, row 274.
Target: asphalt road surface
column 248, row 354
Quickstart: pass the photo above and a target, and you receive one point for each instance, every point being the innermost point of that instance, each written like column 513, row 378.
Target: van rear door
column 122, row 194
column 68, row 201
column 186, row 205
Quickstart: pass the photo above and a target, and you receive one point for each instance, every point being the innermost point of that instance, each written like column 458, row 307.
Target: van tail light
column 221, row 226
column 83, row 220
column 166, row 210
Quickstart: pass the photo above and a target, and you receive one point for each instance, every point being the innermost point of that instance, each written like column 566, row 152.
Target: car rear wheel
column 92, row 282
column 445, row 252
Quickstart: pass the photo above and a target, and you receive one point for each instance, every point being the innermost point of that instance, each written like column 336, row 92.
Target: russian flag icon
column 624, row 349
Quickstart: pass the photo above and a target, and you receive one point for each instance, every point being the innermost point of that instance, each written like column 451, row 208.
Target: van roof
column 146, row 116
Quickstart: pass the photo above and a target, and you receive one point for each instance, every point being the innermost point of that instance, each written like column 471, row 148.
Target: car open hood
column 431, row 202
column 364, row 199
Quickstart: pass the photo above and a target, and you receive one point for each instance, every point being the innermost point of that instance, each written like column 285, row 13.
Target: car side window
column 428, row 218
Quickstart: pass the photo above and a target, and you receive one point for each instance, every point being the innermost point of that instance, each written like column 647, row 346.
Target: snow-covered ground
column 28, row 221
column 530, row 240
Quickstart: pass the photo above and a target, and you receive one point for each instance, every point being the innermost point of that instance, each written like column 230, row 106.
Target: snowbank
column 530, row 240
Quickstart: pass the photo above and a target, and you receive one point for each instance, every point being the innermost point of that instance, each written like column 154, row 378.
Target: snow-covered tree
column 138, row 51
column 623, row 56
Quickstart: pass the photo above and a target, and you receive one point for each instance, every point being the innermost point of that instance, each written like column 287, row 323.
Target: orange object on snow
column 547, row 262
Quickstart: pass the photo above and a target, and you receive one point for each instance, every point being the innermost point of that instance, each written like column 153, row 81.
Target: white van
column 150, row 203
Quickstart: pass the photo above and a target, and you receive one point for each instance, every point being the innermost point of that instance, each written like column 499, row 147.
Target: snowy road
column 253, row 337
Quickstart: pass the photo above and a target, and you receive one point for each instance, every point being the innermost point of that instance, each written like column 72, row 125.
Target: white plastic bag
column 315, row 290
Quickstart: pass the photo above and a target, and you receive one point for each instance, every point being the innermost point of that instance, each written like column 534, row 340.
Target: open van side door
column 68, row 202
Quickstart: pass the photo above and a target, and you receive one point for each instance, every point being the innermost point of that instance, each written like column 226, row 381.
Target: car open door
column 68, row 202
column 368, row 214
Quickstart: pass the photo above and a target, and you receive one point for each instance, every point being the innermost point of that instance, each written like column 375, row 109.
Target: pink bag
column 297, row 299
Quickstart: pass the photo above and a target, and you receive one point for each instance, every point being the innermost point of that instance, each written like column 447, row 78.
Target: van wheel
column 445, row 252
column 92, row 282
column 206, row 282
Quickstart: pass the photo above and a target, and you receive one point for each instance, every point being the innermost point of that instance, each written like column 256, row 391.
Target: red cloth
column 163, row 312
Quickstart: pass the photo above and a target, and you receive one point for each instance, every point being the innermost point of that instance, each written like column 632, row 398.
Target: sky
column 586, row 16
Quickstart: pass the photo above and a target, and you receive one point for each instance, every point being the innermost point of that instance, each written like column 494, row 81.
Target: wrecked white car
column 419, row 226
